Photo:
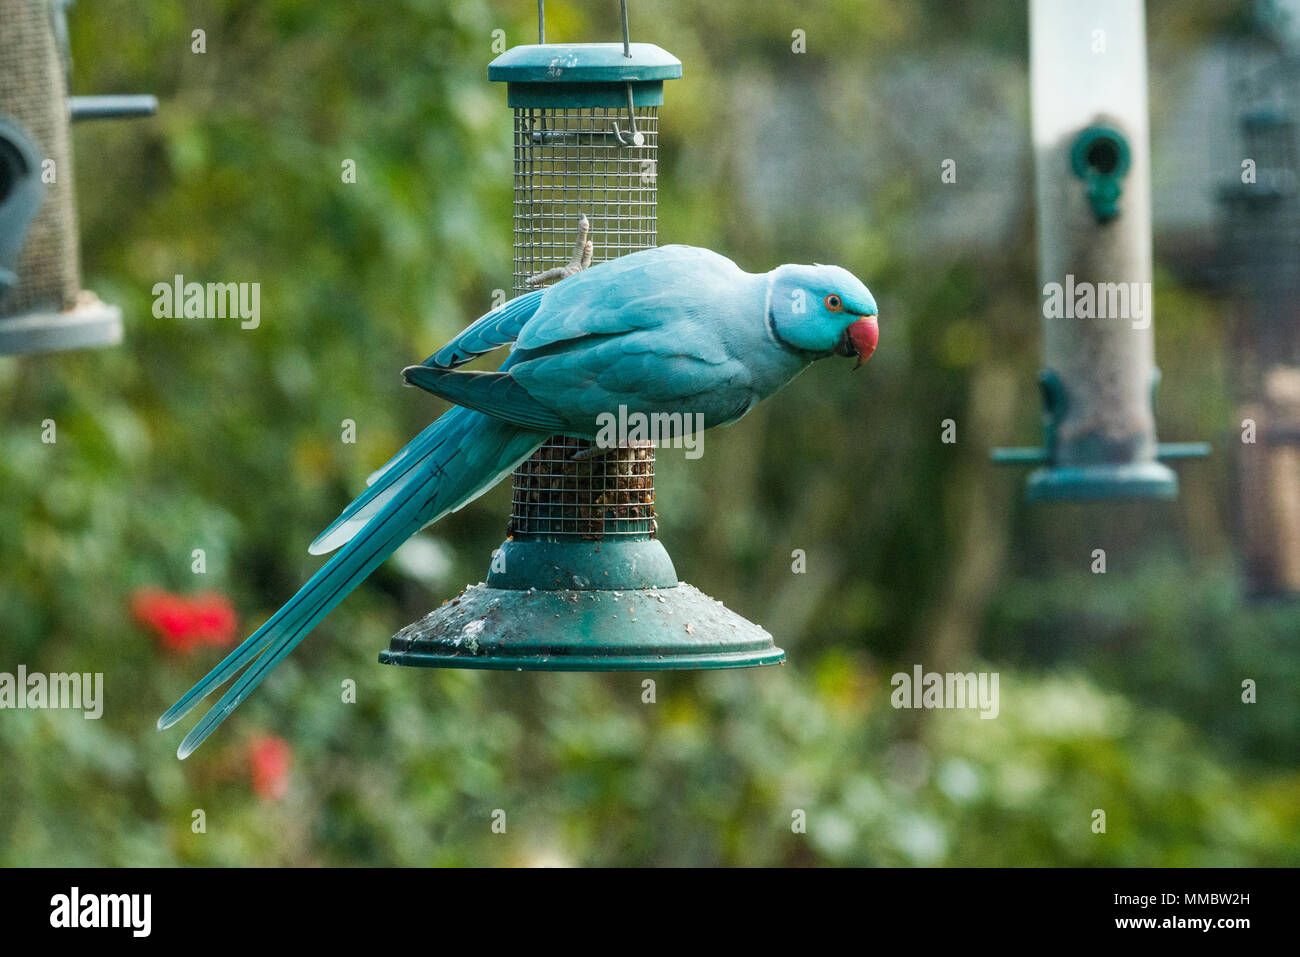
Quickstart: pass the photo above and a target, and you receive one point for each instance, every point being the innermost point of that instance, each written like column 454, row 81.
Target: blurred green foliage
column 1119, row 692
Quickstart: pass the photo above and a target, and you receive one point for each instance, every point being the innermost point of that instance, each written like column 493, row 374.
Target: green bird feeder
column 42, row 305
column 1093, row 190
column 582, row 582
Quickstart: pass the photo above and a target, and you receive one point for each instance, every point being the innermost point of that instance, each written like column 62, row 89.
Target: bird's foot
column 582, row 254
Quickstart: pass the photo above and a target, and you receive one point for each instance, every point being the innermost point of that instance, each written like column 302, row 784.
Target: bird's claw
column 582, row 254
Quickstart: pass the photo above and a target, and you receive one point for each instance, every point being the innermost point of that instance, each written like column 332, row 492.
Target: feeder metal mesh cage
column 598, row 495
column 570, row 163
column 1262, row 222
column 42, row 305
column 32, row 95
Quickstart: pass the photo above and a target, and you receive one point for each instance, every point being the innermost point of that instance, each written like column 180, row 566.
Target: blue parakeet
column 675, row 329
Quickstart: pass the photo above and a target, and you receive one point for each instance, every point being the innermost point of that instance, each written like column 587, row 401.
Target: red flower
column 183, row 624
column 214, row 619
column 268, row 762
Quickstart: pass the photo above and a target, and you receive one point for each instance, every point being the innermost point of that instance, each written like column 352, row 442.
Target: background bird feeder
column 582, row 582
column 1261, row 255
column 42, row 305
column 1093, row 193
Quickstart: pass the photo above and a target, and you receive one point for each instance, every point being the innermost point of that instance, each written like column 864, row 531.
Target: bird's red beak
column 864, row 334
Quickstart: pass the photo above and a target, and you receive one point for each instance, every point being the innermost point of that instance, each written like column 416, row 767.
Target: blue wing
column 637, row 291
column 673, row 329
column 494, row 393
column 498, row 328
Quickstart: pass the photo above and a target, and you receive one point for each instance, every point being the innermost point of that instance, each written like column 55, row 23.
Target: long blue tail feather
column 402, row 468
column 468, row 453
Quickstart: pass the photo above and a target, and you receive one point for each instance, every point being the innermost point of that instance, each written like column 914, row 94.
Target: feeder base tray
column 650, row 629
column 1091, row 483
column 88, row 325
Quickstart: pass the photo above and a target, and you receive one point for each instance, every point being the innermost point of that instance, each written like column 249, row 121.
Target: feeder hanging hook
column 632, row 137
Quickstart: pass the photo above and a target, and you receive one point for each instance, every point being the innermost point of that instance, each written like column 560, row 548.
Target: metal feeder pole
column 582, row 583
column 1093, row 191
column 42, row 305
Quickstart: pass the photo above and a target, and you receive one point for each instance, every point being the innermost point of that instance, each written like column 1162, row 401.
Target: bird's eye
column 834, row 303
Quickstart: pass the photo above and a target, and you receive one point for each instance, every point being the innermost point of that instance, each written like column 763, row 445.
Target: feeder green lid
column 561, row 75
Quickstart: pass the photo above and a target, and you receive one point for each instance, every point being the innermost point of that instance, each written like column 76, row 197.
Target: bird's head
column 822, row 309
